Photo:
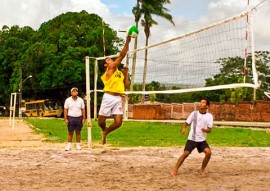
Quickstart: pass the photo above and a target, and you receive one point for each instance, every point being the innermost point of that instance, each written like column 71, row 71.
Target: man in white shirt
column 74, row 114
column 201, row 124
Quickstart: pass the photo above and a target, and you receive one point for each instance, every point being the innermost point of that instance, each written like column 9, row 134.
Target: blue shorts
column 191, row 145
column 74, row 123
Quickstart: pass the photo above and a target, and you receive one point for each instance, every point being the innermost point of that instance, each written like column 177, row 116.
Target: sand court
column 29, row 163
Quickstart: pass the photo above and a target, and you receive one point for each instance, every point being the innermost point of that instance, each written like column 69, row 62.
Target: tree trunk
column 145, row 64
column 134, row 56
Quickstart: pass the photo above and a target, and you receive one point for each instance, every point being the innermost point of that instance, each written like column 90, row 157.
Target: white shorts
column 111, row 105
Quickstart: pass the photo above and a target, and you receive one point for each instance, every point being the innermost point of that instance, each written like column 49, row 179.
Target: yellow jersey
column 115, row 84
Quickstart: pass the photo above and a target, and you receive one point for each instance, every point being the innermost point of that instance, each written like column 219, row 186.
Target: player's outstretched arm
column 123, row 52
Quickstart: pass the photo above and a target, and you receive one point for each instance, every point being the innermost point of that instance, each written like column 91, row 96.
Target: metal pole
column 254, row 71
column 95, row 88
column 20, row 94
column 103, row 38
column 12, row 110
column 88, row 102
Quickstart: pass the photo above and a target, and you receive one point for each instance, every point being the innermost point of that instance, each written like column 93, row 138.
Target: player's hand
column 125, row 70
column 204, row 130
column 128, row 38
column 184, row 131
column 123, row 97
column 66, row 121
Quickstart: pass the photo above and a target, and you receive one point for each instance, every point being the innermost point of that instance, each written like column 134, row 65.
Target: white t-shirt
column 74, row 107
column 199, row 121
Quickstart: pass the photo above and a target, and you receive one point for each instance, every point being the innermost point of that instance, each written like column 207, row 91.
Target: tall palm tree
column 137, row 13
column 147, row 8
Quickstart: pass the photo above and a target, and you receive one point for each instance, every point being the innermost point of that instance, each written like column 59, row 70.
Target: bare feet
column 173, row 173
column 104, row 135
column 202, row 174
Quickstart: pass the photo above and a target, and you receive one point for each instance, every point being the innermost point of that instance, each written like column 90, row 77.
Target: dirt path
column 27, row 163
column 21, row 136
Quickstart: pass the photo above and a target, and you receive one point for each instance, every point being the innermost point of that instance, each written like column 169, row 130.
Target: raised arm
column 122, row 53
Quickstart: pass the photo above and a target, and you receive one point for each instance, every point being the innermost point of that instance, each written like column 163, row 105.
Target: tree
column 54, row 55
column 67, row 39
column 232, row 72
column 137, row 14
column 14, row 42
column 148, row 8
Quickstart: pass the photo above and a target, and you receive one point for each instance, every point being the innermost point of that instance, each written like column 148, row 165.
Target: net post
column 125, row 112
column 95, row 88
column 255, row 74
column 12, row 110
column 88, row 102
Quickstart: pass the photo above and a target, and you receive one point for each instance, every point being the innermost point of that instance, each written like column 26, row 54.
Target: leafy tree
column 14, row 42
column 135, row 98
column 232, row 72
column 54, row 55
column 67, row 39
column 137, row 14
column 263, row 67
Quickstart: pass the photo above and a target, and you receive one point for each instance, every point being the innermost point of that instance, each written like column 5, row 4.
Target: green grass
column 147, row 134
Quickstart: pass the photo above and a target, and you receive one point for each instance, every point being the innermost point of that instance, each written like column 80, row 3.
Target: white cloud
column 226, row 3
column 188, row 15
column 34, row 12
column 216, row 12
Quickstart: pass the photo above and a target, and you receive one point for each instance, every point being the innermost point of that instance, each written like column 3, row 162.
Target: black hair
column 207, row 100
column 101, row 66
column 121, row 66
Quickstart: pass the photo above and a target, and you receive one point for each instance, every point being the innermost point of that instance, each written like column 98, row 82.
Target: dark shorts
column 191, row 145
column 74, row 123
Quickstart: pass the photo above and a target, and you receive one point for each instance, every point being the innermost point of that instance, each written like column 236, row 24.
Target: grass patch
column 147, row 134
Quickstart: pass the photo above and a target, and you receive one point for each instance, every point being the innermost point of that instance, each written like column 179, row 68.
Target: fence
column 243, row 111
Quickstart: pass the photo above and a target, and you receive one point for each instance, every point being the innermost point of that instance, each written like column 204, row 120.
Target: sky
column 188, row 15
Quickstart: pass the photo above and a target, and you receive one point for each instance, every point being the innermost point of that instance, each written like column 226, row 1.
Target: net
column 183, row 64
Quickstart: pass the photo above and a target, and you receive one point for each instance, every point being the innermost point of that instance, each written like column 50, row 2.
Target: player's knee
column 71, row 133
column 208, row 152
column 185, row 154
column 101, row 122
column 118, row 123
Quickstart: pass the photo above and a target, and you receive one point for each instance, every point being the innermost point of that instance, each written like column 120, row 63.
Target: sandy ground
column 28, row 163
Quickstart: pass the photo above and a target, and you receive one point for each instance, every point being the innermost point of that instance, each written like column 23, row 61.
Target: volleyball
column 132, row 31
